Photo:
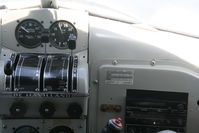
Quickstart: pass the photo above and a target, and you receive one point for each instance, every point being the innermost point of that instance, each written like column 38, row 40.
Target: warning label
column 120, row 77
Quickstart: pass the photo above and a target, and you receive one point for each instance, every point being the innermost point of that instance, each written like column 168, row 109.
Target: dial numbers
column 60, row 33
column 28, row 33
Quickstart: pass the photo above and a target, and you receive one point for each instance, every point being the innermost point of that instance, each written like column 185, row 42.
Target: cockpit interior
column 70, row 71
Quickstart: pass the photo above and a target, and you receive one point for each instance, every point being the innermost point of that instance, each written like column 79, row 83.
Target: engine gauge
column 28, row 33
column 60, row 34
column 26, row 129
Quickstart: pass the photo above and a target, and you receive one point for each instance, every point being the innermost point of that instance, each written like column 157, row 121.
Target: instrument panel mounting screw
column 4, row 126
column 153, row 62
column 115, row 62
column 95, row 81
column 16, row 89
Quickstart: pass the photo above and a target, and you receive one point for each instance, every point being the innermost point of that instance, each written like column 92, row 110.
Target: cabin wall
column 152, row 69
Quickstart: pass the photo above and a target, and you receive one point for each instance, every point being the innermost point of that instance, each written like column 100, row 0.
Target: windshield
column 175, row 15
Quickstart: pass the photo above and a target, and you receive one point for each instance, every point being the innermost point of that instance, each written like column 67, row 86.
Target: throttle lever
column 8, row 69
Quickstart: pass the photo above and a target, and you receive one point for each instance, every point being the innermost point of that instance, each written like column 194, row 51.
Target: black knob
column 72, row 44
column 47, row 109
column 45, row 36
column 18, row 109
column 8, row 67
column 74, row 110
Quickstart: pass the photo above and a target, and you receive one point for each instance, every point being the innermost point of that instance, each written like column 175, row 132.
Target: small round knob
column 47, row 109
column 74, row 110
column 104, row 107
column 18, row 109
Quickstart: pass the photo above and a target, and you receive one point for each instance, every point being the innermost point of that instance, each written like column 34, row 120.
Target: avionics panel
column 153, row 111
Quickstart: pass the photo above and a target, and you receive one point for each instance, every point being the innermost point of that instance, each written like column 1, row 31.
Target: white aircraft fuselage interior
column 66, row 71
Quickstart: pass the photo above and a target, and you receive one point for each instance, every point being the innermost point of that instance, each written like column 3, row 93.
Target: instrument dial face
column 26, row 129
column 28, row 33
column 60, row 34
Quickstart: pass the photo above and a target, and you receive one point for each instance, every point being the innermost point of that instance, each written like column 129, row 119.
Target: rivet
column 4, row 126
column 115, row 62
column 95, row 81
column 153, row 62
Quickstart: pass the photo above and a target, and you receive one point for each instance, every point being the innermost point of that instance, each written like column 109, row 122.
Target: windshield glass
column 175, row 15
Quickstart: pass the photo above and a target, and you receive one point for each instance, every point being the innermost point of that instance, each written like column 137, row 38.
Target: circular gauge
column 61, row 129
column 26, row 129
column 61, row 32
column 28, row 33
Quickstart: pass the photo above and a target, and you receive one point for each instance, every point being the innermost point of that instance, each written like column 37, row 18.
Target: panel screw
column 4, row 126
column 153, row 62
column 95, row 81
column 115, row 62
column 16, row 89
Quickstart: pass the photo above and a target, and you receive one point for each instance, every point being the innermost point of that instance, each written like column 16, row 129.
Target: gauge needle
column 24, row 29
column 60, row 28
column 62, row 35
